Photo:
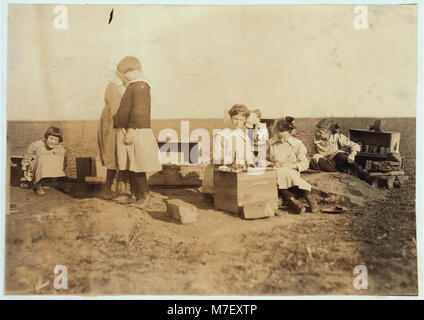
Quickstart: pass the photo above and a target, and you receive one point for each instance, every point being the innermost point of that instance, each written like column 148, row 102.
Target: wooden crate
column 232, row 190
column 376, row 143
column 83, row 167
column 187, row 152
column 16, row 172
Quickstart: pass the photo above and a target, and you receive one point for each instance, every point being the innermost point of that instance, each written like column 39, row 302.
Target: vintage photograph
column 210, row 150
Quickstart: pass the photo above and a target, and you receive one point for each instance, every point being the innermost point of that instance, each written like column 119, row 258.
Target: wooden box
column 16, row 172
column 84, row 167
column 185, row 152
column 177, row 175
column 376, row 143
column 232, row 190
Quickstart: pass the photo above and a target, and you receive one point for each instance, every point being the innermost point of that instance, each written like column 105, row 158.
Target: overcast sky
column 306, row 61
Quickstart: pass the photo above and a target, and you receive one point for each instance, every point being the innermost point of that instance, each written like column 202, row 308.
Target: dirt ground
column 114, row 249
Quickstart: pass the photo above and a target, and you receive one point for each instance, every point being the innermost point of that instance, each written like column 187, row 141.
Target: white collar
column 291, row 140
column 141, row 79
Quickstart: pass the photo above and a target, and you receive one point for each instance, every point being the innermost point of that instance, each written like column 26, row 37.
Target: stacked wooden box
column 380, row 157
column 235, row 191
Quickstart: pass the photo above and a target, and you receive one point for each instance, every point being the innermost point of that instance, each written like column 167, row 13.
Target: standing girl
column 106, row 135
column 136, row 146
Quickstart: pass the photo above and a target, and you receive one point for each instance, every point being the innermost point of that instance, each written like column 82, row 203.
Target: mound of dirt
column 357, row 191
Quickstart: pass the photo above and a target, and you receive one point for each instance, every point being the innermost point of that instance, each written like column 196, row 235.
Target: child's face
column 238, row 121
column 52, row 142
column 284, row 135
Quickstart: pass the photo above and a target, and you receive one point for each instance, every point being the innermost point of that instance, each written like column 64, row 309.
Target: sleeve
column 346, row 143
column 250, row 159
column 302, row 159
column 218, row 148
column 65, row 159
column 112, row 98
column 140, row 105
column 270, row 152
column 30, row 154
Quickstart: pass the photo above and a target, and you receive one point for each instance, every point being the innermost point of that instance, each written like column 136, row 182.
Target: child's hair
column 53, row 131
column 256, row 112
column 128, row 64
column 239, row 109
column 285, row 124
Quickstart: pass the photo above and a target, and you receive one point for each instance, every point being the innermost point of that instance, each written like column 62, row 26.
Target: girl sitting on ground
column 44, row 162
column 288, row 155
column 334, row 151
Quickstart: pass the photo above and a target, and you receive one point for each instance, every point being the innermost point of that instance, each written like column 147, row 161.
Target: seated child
column 288, row 155
column 44, row 161
column 231, row 147
column 334, row 151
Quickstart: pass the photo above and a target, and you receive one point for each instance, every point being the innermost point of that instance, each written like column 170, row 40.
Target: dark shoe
column 107, row 195
column 295, row 205
column 313, row 205
column 63, row 189
column 313, row 208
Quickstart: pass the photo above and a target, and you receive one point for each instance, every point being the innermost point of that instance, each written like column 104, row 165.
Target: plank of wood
column 391, row 173
column 258, row 210
column 95, row 179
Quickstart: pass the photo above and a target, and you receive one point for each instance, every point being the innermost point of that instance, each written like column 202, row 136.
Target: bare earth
column 113, row 249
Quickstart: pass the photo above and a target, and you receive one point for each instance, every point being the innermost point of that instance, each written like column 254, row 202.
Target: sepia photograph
column 211, row 150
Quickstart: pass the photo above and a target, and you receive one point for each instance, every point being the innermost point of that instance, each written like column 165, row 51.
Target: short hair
column 128, row 64
column 53, row 131
column 239, row 109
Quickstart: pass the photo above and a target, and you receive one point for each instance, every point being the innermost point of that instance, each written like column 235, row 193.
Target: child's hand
column 128, row 139
column 278, row 164
column 351, row 157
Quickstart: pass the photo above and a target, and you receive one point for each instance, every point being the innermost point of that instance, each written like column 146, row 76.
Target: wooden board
column 391, row 173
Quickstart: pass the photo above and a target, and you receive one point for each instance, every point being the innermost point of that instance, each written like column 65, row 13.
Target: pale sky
column 302, row 60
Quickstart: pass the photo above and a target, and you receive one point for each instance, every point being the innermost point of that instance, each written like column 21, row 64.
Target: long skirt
column 47, row 166
column 287, row 178
column 142, row 155
column 106, row 140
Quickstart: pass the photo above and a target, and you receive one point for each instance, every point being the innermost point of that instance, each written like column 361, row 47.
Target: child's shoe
column 39, row 189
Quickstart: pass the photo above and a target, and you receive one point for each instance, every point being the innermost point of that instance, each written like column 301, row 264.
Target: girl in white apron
column 136, row 146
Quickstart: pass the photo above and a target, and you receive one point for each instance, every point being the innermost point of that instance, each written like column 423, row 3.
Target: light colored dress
column 290, row 152
column 106, row 133
column 41, row 162
column 228, row 145
column 143, row 154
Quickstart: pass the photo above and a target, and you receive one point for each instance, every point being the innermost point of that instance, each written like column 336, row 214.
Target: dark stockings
column 139, row 184
column 290, row 194
column 110, row 175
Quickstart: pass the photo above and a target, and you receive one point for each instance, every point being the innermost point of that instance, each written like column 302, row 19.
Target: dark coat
column 134, row 110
